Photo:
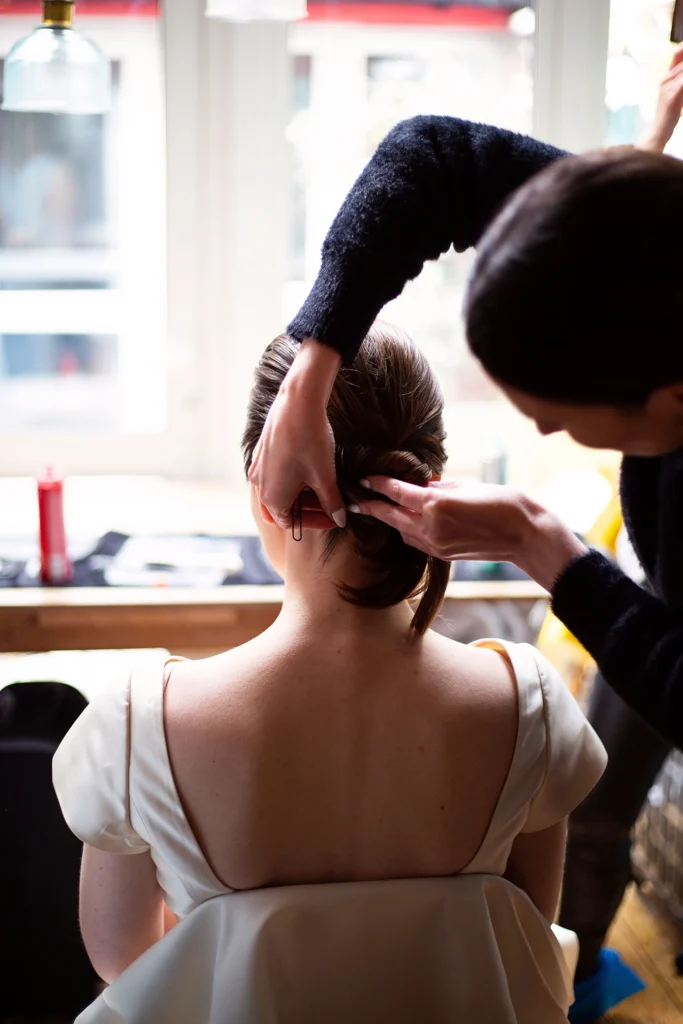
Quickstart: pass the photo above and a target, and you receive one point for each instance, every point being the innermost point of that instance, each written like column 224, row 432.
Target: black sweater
column 436, row 182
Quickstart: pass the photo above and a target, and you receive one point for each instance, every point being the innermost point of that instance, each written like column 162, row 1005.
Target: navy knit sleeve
column 434, row 182
column 635, row 639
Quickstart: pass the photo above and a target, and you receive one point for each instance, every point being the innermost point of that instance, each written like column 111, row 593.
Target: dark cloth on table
column 90, row 570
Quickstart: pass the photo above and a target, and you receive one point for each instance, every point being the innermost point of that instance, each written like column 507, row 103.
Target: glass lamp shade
column 56, row 70
column 523, row 22
column 256, row 10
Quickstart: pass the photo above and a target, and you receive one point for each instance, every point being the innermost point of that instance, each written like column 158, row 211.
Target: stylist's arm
column 478, row 522
column 434, row 183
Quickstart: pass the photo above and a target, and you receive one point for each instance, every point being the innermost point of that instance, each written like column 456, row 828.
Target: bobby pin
column 297, row 512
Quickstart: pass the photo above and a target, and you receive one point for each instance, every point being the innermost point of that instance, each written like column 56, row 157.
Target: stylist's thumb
column 331, row 501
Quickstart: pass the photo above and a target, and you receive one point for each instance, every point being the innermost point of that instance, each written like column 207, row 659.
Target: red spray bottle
column 55, row 565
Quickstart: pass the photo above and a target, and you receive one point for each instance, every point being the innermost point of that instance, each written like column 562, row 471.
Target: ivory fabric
column 469, row 948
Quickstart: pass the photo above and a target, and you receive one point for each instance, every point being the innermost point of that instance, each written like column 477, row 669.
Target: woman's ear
column 435, row 478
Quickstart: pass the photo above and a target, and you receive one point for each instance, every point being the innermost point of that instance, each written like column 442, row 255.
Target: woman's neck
column 313, row 599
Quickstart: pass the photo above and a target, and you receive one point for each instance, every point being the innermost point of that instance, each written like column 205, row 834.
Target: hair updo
column 386, row 413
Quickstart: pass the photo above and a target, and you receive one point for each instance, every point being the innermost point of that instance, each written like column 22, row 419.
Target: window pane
column 57, row 194
column 58, row 382
column 639, row 53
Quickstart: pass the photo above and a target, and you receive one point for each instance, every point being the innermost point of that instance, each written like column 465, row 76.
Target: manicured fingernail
column 340, row 518
column 353, row 508
column 365, row 483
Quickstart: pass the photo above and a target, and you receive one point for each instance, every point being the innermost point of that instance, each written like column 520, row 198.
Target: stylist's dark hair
column 574, row 295
column 386, row 415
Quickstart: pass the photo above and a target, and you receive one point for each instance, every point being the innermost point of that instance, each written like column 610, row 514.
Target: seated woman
column 347, row 743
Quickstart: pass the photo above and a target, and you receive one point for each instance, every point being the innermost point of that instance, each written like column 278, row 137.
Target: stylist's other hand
column 669, row 104
column 477, row 522
column 296, row 448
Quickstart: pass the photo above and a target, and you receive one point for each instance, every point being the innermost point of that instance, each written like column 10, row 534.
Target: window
column 82, row 224
column 156, row 251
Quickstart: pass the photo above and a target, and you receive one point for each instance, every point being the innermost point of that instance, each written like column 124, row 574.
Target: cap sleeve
column 90, row 773
column 575, row 757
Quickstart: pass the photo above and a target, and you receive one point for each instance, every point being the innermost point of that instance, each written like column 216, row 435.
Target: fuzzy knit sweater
column 436, row 182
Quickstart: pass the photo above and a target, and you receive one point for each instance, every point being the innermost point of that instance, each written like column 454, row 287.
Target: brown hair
column 386, row 415
column 573, row 295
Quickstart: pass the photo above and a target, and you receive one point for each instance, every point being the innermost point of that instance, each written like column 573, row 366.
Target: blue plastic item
column 613, row 982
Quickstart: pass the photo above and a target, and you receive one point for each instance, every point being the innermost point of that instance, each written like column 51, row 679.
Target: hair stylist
column 572, row 308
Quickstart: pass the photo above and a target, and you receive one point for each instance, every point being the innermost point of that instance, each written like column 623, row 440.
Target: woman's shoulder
column 226, row 669
column 479, row 680
column 488, row 659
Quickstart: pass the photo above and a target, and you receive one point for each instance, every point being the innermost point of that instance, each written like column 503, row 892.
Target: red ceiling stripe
column 408, row 14
column 116, row 9
column 364, row 13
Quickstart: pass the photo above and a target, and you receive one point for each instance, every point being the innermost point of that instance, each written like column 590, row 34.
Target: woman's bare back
column 298, row 761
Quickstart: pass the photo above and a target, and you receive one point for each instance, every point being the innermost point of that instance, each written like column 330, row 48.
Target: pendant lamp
column 56, row 70
column 256, row 10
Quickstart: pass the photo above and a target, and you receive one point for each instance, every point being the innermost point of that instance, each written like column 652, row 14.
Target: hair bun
column 401, row 464
column 355, row 465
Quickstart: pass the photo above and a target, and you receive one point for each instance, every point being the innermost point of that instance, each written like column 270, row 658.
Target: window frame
column 570, row 75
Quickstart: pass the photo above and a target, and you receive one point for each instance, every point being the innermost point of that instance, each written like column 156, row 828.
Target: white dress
column 470, row 948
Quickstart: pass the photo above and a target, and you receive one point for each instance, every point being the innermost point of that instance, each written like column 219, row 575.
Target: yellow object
column 555, row 641
column 58, row 13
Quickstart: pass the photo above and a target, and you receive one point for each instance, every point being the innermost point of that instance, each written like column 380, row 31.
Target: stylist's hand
column 478, row 522
column 669, row 104
column 296, row 448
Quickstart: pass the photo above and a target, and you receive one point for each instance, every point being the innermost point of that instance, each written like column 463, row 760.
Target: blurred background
column 148, row 255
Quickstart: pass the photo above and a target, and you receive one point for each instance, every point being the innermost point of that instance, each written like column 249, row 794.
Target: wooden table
column 83, row 618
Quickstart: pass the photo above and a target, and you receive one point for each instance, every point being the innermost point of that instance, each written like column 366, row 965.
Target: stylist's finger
column 677, row 57
column 316, row 521
column 672, row 78
column 278, row 495
column 410, row 496
column 402, row 519
column 312, row 515
column 280, row 501
column 330, row 498
column 413, row 527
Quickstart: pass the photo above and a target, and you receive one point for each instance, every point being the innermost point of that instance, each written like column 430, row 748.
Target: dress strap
column 529, row 760
column 155, row 803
